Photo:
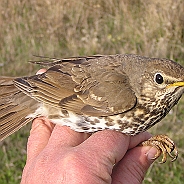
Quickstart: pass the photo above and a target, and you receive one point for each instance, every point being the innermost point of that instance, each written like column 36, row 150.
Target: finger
column 64, row 136
column 106, row 146
column 135, row 140
column 110, row 146
column 133, row 167
column 39, row 135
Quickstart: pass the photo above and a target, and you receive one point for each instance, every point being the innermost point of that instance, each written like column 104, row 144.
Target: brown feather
column 14, row 107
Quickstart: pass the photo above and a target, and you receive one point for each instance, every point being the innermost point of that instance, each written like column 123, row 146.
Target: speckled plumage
column 120, row 92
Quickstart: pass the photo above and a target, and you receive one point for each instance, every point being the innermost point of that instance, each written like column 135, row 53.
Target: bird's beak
column 179, row 84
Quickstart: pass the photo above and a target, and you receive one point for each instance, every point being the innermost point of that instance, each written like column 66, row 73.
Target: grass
column 68, row 28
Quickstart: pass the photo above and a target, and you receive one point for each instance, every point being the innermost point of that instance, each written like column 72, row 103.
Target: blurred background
column 75, row 28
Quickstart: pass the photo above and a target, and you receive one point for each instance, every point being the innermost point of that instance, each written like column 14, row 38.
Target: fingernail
column 36, row 124
column 42, row 123
column 40, row 71
column 151, row 153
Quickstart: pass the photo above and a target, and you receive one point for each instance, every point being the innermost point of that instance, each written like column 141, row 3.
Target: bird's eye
column 158, row 78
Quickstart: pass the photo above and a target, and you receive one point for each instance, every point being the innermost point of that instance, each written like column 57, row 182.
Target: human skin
column 56, row 154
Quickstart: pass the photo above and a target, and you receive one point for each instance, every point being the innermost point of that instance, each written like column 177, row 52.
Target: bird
column 128, row 93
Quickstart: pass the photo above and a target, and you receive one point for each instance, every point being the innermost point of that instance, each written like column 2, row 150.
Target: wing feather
column 95, row 86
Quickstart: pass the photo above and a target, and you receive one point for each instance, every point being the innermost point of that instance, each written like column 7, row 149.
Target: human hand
column 57, row 154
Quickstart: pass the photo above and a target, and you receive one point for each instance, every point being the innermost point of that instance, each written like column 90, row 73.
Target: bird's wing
column 103, row 86
column 14, row 107
column 95, row 87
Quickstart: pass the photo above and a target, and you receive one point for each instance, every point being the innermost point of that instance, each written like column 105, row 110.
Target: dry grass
column 69, row 27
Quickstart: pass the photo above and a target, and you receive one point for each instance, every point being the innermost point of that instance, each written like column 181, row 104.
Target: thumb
column 133, row 167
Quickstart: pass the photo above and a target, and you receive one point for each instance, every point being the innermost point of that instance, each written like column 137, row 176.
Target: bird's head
column 163, row 80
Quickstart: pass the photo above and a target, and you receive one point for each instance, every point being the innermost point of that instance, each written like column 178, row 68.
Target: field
column 73, row 28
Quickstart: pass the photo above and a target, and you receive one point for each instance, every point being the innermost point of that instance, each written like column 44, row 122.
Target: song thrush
column 126, row 93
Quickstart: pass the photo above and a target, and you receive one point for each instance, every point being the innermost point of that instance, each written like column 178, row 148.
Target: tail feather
column 15, row 106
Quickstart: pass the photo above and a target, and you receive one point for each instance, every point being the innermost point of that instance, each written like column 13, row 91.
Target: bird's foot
column 164, row 146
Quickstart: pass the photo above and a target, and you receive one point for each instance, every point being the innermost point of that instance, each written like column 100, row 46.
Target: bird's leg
column 164, row 146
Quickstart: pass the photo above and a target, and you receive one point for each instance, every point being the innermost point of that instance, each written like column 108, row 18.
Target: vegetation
column 69, row 28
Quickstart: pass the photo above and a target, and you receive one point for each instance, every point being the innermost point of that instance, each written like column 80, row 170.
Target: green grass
column 69, row 28
column 13, row 156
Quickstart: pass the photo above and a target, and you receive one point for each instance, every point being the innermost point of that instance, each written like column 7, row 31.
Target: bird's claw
column 164, row 146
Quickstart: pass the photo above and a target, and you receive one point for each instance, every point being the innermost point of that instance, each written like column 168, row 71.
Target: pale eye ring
column 159, row 78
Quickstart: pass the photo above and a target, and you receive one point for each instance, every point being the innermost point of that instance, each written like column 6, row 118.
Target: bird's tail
column 15, row 106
